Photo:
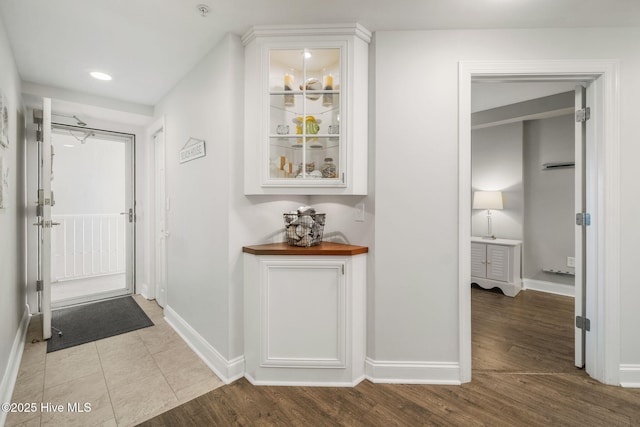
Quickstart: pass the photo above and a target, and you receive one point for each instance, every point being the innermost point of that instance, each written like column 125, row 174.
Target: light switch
column 359, row 212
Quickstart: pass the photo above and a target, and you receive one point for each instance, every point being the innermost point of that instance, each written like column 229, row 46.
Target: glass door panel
column 304, row 114
column 93, row 245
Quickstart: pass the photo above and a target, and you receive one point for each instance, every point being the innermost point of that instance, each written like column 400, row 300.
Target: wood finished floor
column 523, row 375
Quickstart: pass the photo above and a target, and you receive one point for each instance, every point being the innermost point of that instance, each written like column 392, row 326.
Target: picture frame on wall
column 4, row 120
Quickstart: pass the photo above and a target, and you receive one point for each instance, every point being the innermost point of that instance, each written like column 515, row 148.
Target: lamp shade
column 487, row 200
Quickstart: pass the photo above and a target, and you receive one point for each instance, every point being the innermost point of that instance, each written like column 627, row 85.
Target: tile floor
column 126, row 379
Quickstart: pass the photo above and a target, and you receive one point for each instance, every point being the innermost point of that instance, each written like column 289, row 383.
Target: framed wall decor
column 4, row 121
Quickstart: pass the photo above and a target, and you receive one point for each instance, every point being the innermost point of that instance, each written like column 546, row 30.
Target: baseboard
column 549, row 287
column 144, row 291
column 255, row 382
column 227, row 370
column 630, row 376
column 394, row 372
column 8, row 382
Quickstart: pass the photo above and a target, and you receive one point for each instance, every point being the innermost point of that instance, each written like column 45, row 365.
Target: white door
column 580, row 234
column 44, row 222
column 93, row 247
column 161, row 231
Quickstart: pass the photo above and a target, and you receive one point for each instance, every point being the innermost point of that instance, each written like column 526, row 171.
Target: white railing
column 87, row 246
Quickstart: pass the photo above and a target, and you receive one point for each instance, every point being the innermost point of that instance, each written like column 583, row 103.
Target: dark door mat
column 91, row 322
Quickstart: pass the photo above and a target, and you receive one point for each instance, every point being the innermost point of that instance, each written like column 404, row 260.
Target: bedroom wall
column 496, row 165
column 549, row 222
column 538, row 206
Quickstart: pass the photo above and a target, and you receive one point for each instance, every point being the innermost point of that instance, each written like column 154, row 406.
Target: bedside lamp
column 489, row 200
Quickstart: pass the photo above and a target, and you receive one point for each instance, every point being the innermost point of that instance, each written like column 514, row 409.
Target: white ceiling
column 149, row 45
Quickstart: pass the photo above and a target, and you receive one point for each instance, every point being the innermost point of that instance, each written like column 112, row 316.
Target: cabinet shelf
column 308, row 92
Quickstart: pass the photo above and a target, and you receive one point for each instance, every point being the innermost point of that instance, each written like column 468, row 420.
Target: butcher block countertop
column 324, row 248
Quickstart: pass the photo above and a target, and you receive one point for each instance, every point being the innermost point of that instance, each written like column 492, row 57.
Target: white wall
column 496, row 165
column 416, row 283
column 210, row 219
column 549, row 221
column 12, row 224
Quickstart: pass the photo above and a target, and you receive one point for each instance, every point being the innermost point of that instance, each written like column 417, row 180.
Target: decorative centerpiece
column 304, row 227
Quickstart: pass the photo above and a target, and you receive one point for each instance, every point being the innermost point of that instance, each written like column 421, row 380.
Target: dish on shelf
column 312, row 84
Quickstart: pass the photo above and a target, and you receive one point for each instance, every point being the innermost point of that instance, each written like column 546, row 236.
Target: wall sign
column 192, row 149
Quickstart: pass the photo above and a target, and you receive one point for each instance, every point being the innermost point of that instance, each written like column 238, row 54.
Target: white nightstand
column 495, row 263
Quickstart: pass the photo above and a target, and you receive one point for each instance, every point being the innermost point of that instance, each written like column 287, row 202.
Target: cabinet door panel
column 303, row 313
column 498, row 263
column 478, row 259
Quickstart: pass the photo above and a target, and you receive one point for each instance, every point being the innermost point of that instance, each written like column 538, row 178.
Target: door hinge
column 583, row 323
column 583, row 114
column 583, row 219
column 343, row 269
column 39, row 285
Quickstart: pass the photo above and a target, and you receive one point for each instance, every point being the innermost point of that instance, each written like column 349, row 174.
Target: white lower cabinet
column 304, row 319
column 496, row 263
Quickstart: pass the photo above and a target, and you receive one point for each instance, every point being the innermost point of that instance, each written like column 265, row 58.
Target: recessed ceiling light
column 68, row 145
column 100, row 75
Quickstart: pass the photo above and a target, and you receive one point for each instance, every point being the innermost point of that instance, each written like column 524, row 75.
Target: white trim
column 255, row 382
column 395, row 372
column 13, row 364
column 630, row 376
column 144, row 291
column 227, row 370
column 549, row 287
column 604, row 75
column 348, row 29
column 150, row 242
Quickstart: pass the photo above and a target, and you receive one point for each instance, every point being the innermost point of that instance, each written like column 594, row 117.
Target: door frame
column 160, row 232
column 603, row 302
column 149, row 290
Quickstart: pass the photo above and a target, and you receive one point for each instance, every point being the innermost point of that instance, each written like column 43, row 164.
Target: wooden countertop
column 324, row 248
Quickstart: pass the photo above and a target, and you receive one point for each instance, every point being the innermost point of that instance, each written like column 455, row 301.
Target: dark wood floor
column 523, row 375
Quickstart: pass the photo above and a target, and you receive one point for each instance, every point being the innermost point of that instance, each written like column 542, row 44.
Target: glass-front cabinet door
column 306, row 110
column 304, row 114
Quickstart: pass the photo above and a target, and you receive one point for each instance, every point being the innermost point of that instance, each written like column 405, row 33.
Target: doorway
column 602, row 350
column 523, row 153
column 92, row 244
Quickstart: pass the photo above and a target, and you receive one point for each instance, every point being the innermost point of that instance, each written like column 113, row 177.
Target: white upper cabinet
column 306, row 108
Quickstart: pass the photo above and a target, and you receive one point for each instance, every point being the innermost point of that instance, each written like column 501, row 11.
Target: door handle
column 46, row 224
column 130, row 213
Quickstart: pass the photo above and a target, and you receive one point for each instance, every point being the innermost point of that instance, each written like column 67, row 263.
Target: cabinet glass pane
column 304, row 113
